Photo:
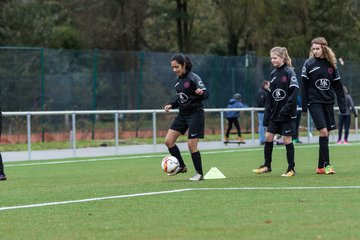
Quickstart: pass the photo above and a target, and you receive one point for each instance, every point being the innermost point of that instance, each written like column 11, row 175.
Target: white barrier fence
column 154, row 113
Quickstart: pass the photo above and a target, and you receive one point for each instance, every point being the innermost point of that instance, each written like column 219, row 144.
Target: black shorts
column 323, row 116
column 195, row 122
column 283, row 128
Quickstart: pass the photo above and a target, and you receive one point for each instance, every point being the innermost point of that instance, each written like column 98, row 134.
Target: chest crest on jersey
column 278, row 94
column 186, row 84
column 330, row 70
column 284, row 79
column 323, row 84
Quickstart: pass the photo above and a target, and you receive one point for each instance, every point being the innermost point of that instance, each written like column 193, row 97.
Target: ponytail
column 283, row 53
column 183, row 60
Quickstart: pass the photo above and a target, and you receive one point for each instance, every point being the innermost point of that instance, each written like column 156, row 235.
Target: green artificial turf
column 244, row 205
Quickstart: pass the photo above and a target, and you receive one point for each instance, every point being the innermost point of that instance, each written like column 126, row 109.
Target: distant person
column 2, row 173
column 232, row 117
column 295, row 136
column 261, row 97
column 191, row 93
column 280, row 110
column 320, row 83
column 345, row 119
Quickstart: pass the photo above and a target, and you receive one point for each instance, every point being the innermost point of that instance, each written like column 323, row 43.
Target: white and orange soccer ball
column 169, row 164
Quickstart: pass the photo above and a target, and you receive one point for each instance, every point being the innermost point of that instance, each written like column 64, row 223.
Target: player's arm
column 202, row 92
column 304, row 89
column 339, row 91
column 200, row 88
column 290, row 107
column 172, row 105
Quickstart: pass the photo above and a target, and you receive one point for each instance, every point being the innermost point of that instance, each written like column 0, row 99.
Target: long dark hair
column 183, row 60
column 327, row 51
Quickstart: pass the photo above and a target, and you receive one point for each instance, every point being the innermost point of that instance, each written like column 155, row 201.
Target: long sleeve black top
column 187, row 100
column 282, row 95
column 320, row 83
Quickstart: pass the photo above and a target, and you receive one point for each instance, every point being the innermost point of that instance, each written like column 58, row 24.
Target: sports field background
column 129, row 197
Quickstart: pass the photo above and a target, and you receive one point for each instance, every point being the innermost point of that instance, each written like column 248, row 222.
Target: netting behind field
column 37, row 79
column 50, row 79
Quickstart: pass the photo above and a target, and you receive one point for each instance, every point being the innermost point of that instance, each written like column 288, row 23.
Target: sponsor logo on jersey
column 183, row 97
column 323, row 84
column 279, row 94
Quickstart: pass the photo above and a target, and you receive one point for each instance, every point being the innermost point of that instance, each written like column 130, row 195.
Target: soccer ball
column 169, row 164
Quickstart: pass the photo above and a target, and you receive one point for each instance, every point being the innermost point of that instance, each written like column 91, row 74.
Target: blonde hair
column 327, row 51
column 283, row 53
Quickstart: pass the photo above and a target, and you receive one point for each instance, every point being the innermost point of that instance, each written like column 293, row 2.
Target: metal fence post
column 222, row 125
column 116, row 131
column 154, row 129
column 74, row 133
column 28, row 121
column 252, row 126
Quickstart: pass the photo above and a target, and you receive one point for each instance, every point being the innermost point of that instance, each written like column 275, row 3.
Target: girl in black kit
column 280, row 109
column 190, row 92
column 321, row 81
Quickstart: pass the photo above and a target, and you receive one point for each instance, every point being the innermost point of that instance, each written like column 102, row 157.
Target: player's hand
column 167, row 108
column 199, row 91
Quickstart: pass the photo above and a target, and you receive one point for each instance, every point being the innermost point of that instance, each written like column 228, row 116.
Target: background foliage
column 113, row 54
column 223, row 27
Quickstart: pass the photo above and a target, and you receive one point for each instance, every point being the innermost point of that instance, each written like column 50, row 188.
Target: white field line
column 172, row 191
column 142, row 156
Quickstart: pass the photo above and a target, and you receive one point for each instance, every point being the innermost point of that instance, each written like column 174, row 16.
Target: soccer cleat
column 197, row 177
column 262, row 169
column 3, row 177
column 178, row 170
column 289, row 173
column 296, row 140
column 320, row 171
column 339, row 142
column 346, row 142
column 329, row 170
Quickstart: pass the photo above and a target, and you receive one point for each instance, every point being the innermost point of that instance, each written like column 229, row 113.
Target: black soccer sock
column 196, row 158
column 324, row 150
column 320, row 161
column 268, row 148
column 290, row 154
column 174, row 151
column 1, row 166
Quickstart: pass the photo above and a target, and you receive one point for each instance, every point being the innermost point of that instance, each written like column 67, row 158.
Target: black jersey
column 187, row 100
column 321, row 81
column 282, row 95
